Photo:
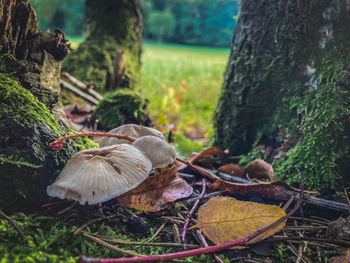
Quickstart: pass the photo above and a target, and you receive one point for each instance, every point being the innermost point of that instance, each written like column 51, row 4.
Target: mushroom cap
column 157, row 150
column 132, row 130
column 98, row 175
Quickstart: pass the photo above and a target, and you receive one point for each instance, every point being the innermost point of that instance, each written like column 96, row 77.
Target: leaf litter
column 225, row 220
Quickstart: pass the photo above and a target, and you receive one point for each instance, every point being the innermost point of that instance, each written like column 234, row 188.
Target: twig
column 54, row 203
column 107, row 245
column 156, row 233
column 80, row 229
column 205, row 250
column 157, row 244
column 59, row 145
column 177, row 238
column 174, row 220
column 341, row 243
column 347, row 196
column 205, row 244
column 205, row 198
column 78, row 92
column 12, row 223
column 82, row 86
column 289, row 202
column 189, row 215
column 67, row 208
column 304, row 228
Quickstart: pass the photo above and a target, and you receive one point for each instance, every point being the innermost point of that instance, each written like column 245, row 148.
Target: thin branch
column 12, row 223
column 82, row 86
column 71, row 206
column 156, row 233
column 78, row 92
column 107, row 245
column 205, row 244
column 154, row 244
column 189, row 215
column 341, row 243
column 77, row 232
column 347, row 196
column 59, row 145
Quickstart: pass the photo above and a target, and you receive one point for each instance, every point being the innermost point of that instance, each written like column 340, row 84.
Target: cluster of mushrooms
column 98, row 175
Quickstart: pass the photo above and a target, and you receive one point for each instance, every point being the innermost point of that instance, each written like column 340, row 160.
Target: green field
column 165, row 67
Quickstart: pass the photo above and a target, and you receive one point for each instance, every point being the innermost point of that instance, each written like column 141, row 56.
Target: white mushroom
column 158, row 151
column 98, row 175
column 132, row 130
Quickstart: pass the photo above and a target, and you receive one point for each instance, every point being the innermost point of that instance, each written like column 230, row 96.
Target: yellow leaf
column 224, row 219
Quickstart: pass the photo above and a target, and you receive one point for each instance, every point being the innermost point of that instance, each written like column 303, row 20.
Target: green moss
column 20, row 103
column 51, row 239
column 83, row 143
column 120, row 107
column 185, row 146
column 324, row 145
column 18, row 161
column 323, row 153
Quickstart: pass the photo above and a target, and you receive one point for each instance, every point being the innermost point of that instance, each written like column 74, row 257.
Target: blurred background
column 185, row 52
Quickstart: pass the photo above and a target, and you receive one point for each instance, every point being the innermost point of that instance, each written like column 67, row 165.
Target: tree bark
column 29, row 88
column 111, row 54
column 288, row 66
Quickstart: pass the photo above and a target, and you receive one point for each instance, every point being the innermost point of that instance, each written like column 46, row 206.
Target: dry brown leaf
column 204, row 157
column 260, row 169
column 224, row 219
column 156, row 191
column 232, row 169
column 341, row 259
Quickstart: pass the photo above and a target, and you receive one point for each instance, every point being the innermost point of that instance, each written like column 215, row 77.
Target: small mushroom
column 132, row 130
column 98, row 175
column 157, row 150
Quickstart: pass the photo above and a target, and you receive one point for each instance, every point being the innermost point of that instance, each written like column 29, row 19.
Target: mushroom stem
column 59, row 145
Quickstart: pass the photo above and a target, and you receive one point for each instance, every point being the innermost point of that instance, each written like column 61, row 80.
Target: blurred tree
column 289, row 68
column 66, row 14
column 112, row 28
column 161, row 25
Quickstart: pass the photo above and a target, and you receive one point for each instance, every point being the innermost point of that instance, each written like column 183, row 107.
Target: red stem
column 203, row 250
column 189, row 215
column 59, row 145
column 205, row 244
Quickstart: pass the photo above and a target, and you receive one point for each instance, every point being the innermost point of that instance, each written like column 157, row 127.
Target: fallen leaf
column 224, row 219
column 341, row 259
column 278, row 190
column 206, row 158
column 232, row 169
column 259, row 169
column 155, row 192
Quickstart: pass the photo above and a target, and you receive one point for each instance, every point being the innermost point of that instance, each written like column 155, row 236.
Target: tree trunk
column 288, row 70
column 111, row 54
column 29, row 87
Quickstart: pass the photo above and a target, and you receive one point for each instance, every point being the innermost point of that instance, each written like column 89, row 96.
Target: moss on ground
column 51, row 239
column 121, row 107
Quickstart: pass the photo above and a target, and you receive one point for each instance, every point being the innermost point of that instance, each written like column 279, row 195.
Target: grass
column 181, row 83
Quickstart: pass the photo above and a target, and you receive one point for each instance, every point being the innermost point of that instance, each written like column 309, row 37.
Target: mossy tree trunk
column 110, row 55
column 289, row 69
column 29, row 88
